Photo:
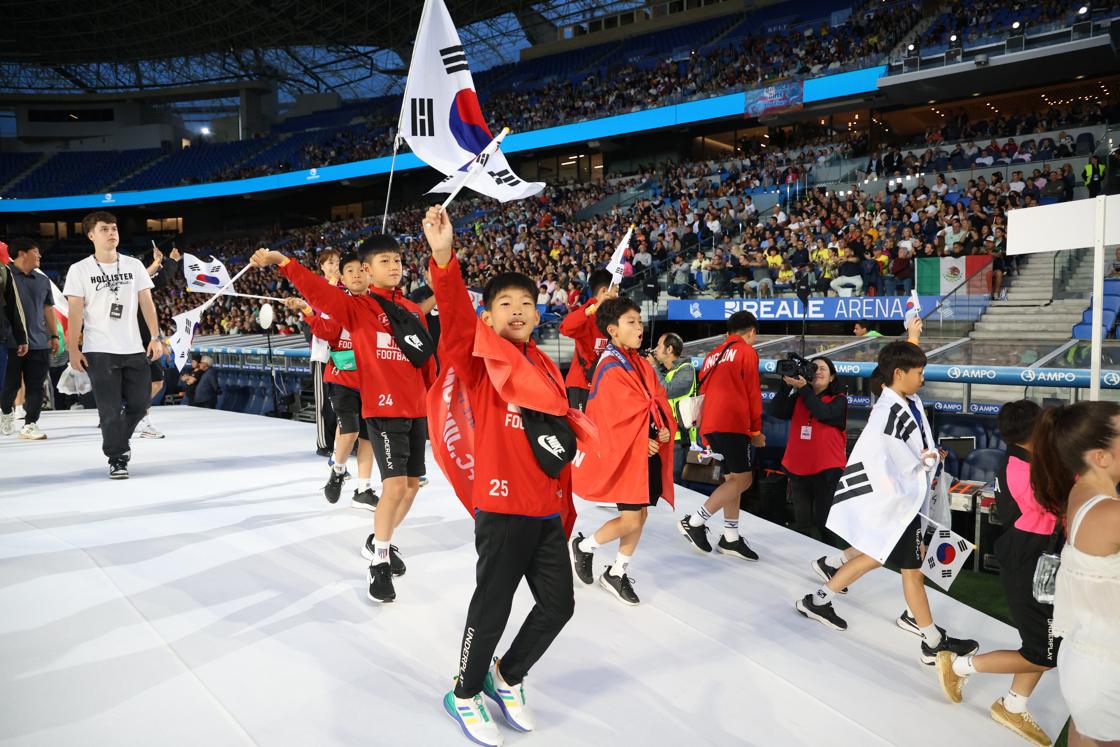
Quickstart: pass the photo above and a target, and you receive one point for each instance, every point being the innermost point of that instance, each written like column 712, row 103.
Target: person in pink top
column 1031, row 531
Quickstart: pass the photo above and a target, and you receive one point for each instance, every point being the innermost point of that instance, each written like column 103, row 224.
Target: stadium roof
column 358, row 48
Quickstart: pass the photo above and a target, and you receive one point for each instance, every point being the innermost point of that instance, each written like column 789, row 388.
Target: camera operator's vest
column 825, row 450
column 692, row 434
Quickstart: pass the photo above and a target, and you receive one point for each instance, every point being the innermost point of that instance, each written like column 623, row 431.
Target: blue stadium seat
column 1084, row 331
column 981, row 465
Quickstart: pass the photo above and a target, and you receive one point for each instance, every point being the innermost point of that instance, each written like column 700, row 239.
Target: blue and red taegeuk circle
column 946, row 553
column 467, row 124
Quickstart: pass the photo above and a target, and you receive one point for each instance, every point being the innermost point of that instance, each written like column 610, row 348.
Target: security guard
column 678, row 376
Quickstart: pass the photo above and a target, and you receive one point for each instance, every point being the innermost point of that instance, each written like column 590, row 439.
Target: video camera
column 795, row 365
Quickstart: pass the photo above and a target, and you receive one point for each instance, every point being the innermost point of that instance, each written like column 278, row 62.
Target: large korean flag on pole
column 441, row 119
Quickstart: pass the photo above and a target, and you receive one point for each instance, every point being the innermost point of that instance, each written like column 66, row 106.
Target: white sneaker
column 7, row 424
column 31, row 432
column 510, row 698
column 473, row 719
column 20, row 413
column 147, row 430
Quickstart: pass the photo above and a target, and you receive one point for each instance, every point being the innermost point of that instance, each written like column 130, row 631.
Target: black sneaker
column 822, row 613
column 907, row 622
column 333, row 489
column 737, row 549
column 324, row 452
column 366, row 499
column 958, row 646
column 396, row 563
column 620, row 586
column 696, row 536
column 118, row 468
column 581, row 561
column 825, row 572
column 381, row 584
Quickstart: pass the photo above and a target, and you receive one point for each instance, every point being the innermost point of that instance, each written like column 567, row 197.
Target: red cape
column 535, row 385
column 625, row 394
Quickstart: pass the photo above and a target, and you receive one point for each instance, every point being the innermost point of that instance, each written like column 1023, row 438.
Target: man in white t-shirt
column 105, row 292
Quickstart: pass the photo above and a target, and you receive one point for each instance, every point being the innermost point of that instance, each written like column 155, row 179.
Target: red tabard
column 391, row 387
column 590, row 343
column 624, row 397
column 732, row 389
column 474, row 412
column 826, row 448
column 337, row 338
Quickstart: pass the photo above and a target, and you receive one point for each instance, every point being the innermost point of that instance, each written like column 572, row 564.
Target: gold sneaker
column 951, row 682
column 1022, row 724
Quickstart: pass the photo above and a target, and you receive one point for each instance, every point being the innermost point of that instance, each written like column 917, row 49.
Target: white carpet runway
column 215, row 598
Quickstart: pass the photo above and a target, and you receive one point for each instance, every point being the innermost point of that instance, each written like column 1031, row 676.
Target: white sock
column 364, row 485
column 823, row 595
column 932, row 635
column 700, row 518
column 962, row 665
column 1014, row 702
column 338, row 468
column 380, row 551
column 588, row 544
column 731, row 530
column 834, row 561
column 621, row 563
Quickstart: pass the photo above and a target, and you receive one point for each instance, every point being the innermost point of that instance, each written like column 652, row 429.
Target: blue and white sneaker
column 510, row 698
column 423, row 479
column 473, row 719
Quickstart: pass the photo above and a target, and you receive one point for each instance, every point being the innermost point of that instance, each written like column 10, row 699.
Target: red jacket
column 625, row 397
column 391, row 387
column 478, row 439
column 590, row 343
column 826, row 448
column 732, row 389
column 332, row 333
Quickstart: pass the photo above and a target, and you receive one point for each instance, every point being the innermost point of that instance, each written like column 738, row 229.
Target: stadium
column 854, row 178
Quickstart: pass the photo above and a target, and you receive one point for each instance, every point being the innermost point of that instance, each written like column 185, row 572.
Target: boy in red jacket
column 731, row 424
column 340, row 374
column 590, row 340
column 633, row 467
column 392, row 389
column 503, row 435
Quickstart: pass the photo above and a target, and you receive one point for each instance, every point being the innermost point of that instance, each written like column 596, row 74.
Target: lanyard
column 112, row 284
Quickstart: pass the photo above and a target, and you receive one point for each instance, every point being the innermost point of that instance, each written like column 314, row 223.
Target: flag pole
column 476, row 166
column 400, row 120
column 392, row 170
column 248, row 295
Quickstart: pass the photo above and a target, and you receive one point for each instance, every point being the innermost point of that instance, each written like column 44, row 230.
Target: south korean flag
column 946, row 555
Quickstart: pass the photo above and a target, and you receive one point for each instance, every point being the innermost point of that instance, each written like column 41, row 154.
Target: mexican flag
column 940, row 276
column 61, row 313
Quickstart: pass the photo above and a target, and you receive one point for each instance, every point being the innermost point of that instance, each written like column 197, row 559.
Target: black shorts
column 577, row 398
column 654, row 469
column 736, row 449
column 347, row 405
column 1018, row 552
column 157, row 372
column 907, row 552
column 398, row 445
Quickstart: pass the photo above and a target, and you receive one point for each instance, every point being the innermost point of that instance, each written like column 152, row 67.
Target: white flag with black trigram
column 946, row 554
column 441, row 119
column 205, row 275
column 885, row 483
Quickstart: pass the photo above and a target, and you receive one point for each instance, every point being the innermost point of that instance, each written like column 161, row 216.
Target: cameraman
column 816, row 450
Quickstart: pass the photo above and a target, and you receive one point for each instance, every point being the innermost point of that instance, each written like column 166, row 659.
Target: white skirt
column 1091, row 688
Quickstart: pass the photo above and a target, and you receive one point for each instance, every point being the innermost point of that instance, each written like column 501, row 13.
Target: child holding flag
column 634, row 467
column 393, row 354
column 881, row 497
column 344, row 388
column 590, row 341
column 504, row 435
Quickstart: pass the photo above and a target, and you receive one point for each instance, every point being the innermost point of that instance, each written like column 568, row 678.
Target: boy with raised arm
column 393, row 385
column 504, row 435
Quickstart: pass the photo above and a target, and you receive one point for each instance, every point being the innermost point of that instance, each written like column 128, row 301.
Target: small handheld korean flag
column 913, row 308
column 946, row 555
column 614, row 267
column 205, row 276
column 181, row 341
